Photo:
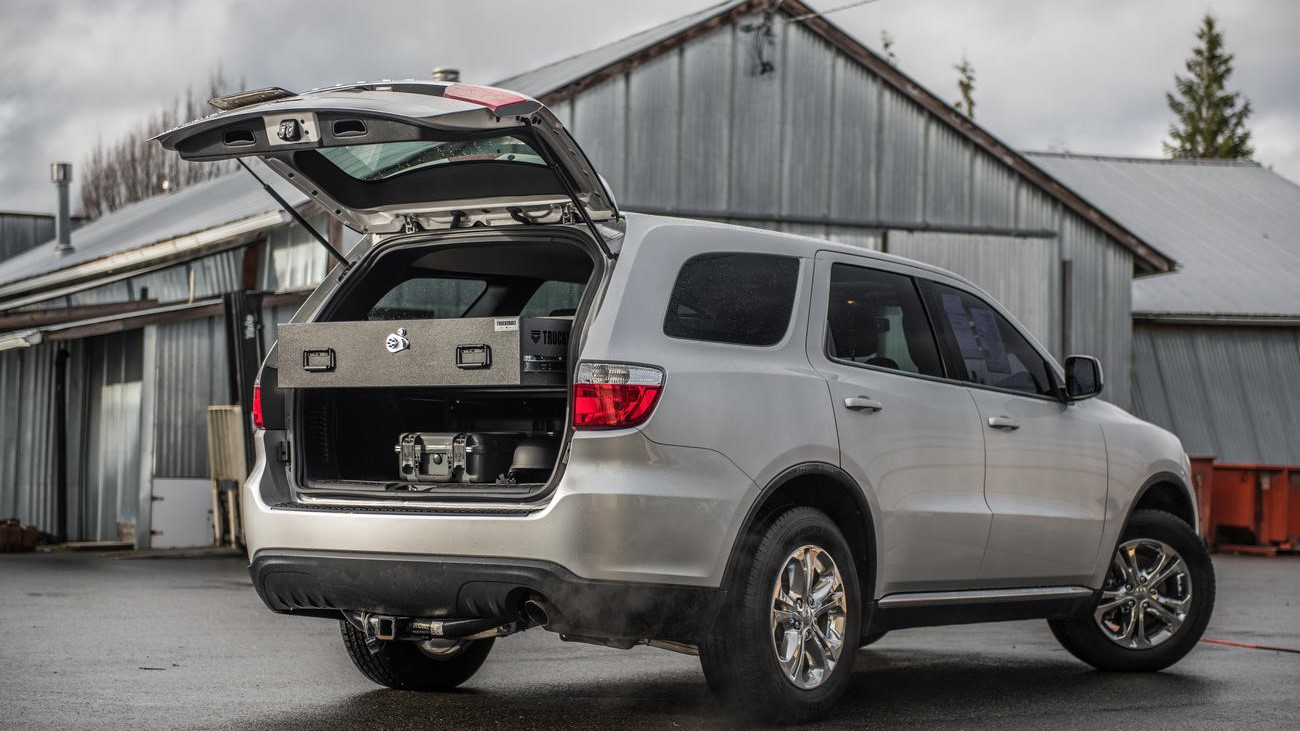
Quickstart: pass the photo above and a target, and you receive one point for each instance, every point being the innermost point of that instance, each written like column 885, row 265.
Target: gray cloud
column 1089, row 77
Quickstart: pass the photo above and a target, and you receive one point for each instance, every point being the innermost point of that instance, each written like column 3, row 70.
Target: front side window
column 876, row 318
column 745, row 299
column 993, row 353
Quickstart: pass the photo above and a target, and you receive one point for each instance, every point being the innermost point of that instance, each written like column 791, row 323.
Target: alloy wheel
column 809, row 614
column 1147, row 595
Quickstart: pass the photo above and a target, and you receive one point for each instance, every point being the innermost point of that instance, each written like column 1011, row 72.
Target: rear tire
column 780, row 649
column 409, row 665
column 1155, row 604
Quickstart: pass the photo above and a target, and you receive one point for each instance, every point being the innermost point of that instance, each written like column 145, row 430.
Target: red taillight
column 491, row 98
column 257, row 407
column 614, row 396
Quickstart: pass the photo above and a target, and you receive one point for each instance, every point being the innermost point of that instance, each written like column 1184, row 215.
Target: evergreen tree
column 1211, row 123
column 887, row 47
column 966, row 86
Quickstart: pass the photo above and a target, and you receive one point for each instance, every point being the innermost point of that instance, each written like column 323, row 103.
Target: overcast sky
column 1087, row 77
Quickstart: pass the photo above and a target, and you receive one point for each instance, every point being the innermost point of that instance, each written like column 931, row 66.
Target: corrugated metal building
column 1217, row 344
column 131, row 328
column 779, row 119
column 22, row 231
column 736, row 113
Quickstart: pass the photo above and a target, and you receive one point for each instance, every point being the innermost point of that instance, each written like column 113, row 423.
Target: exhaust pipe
column 537, row 611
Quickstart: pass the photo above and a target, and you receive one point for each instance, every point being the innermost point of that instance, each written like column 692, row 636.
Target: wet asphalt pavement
column 89, row 642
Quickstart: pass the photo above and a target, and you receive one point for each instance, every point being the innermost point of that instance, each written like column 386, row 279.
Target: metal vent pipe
column 443, row 73
column 61, row 176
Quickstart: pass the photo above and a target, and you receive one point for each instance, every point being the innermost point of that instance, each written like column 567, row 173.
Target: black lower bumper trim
column 327, row 583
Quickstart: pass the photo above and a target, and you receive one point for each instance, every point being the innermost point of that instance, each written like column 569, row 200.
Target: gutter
column 1222, row 320
column 109, row 323
column 134, row 262
column 19, row 339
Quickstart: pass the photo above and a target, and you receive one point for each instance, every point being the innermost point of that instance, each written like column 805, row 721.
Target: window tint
column 733, row 298
column 387, row 159
column 553, row 299
column 876, row 318
column 993, row 352
column 427, row 298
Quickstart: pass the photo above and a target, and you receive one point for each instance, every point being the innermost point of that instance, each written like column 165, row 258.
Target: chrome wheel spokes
column 809, row 614
column 1147, row 595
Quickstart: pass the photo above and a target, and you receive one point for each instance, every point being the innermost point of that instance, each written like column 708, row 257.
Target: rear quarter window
column 743, row 299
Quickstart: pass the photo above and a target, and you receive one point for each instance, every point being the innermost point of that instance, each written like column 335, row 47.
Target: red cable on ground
column 1248, row 645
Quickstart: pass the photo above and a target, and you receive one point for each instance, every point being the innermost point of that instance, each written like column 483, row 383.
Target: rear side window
column 876, row 318
column 427, row 298
column 993, row 353
column 745, row 299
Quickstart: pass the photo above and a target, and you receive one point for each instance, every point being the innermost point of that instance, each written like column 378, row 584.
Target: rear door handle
column 862, row 403
column 1005, row 423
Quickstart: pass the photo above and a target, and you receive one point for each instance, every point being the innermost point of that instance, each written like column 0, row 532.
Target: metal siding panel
column 654, row 116
column 291, row 259
column 1180, row 368
column 1150, row 396
column 600, row 128
column 27, row 474
column 1225, row 391
column 1015, row 270
column 808, row 75
column 947, row 176
column 564, row 112
column 855, row 165
column 993, row 192
column 191, row 376
column 272, row 318
column 166, row 285
column 218, row 274
column 705, row 151
column 902, row 157
column 1035, row 210
column 755, row 186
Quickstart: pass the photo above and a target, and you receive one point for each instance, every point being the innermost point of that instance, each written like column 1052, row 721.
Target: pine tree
column 887, row 47
column 965, row 85
column 1211, row 123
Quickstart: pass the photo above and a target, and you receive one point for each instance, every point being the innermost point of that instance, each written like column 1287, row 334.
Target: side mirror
column 1082, row 377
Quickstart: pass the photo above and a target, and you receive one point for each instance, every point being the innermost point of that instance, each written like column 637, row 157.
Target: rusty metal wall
column 821, row 147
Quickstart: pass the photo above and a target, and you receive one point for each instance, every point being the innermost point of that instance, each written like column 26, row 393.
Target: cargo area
column 439, row 370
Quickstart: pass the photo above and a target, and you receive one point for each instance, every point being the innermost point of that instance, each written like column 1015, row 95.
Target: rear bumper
column 315, row 583
column 627, row 510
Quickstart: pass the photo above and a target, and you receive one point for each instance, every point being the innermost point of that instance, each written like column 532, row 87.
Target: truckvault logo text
column 549, row 337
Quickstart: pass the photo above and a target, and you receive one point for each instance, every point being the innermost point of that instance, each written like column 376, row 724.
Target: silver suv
column 512, row 405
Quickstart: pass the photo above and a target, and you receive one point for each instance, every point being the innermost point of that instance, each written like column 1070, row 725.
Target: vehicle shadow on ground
column 889, row 690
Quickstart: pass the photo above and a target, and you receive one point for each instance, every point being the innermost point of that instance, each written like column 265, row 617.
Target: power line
column 801, row 18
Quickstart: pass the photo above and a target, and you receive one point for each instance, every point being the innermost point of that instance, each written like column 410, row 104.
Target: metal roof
column 563, row 80
column 1233, row 227
column 174, row 219
column 575, row 68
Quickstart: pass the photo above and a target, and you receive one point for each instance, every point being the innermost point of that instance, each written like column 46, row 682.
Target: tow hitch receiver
column 386, row 628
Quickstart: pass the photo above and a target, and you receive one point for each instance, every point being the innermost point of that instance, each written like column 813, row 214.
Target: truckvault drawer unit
column 480, row 351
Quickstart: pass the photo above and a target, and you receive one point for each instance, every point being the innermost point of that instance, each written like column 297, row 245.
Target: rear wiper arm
column 297, row 217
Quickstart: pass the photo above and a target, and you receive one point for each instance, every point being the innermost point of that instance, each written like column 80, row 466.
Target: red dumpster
column 1256, row 508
